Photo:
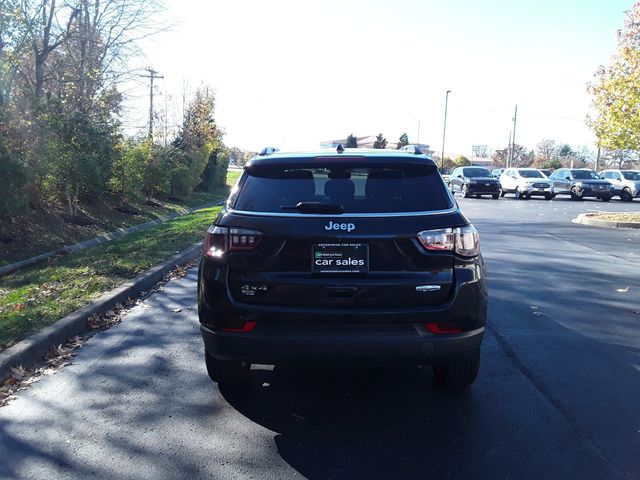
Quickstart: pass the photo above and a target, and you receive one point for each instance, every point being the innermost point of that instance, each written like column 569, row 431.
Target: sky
column 291, row 74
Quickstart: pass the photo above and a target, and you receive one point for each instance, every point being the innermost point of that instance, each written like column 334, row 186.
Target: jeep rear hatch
column 296, row 248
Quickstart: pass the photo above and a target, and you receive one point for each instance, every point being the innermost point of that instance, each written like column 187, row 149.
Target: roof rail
column 268, row 151
column 412, row 149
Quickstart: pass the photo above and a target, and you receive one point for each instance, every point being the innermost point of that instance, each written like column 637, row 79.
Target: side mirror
column 459, row 176
column 567, row 178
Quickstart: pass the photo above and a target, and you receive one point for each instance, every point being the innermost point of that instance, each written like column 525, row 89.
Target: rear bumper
column 300, row 334
column 598, row 193
column 481, row 189
column 339, row 346
column 538, row 192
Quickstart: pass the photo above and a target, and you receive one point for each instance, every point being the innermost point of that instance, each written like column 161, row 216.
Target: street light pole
column 444, row 128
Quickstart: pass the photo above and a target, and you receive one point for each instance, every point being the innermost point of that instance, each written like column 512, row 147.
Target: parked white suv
column 525, row 183
column 626, row 183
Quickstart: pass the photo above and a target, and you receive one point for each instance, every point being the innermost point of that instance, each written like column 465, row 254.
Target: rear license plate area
column 347, row 257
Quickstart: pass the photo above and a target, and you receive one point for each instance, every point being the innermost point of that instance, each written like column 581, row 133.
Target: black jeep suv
column 348, row 256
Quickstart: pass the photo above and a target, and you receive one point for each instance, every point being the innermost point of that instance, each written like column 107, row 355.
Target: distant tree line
column 379, row 143
column 61, row 65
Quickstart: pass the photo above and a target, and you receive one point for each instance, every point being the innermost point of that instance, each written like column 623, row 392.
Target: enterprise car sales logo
column 340, row 226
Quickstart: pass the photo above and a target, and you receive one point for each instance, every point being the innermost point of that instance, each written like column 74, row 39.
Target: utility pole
column 418, row 137
column 508, row 159
column 444, row 128
column 513, row 137
column 152, row 76
column 166, row 115
column 598, row 158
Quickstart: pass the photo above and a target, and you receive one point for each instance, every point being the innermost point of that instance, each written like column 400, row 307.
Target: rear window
column 531, row 174
column 357, row 189
column 476, row 172
column 584, row 174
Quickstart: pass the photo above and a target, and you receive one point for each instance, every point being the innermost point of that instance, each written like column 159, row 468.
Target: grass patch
column 33, row 299
column 32, row 232
column 618, row 217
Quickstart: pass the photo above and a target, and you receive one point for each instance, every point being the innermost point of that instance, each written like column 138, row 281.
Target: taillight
column 463, row 240
column 467, row 241
column 222, row 239
column 243, row 239
column 215, row 243
column 443, row 239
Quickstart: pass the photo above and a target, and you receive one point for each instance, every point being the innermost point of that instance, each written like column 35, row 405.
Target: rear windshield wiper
column 315, row 207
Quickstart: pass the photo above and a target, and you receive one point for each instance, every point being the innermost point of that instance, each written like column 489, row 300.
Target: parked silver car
column 525, row 183
column 626, row 183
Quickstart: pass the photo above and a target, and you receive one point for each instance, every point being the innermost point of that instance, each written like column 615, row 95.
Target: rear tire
column 605, row 199
column 457, row 374
column 226, row 371
column 625, row 195
column 495, row 196
column 548, row 196
column 465, row 191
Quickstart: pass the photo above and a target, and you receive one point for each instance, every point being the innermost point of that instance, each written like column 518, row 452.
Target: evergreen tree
column 380, row 142
column 403, row 141
column 352, row 141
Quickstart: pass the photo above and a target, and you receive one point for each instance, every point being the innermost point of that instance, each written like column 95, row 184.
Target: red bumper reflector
column 444, row 327
column 247, row 327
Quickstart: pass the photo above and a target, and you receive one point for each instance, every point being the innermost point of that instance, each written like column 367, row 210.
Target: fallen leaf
column 18, row 373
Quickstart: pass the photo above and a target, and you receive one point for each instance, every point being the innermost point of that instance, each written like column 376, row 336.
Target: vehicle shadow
column 361, row 423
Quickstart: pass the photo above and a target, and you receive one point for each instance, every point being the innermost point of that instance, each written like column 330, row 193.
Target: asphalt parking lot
column 557, row 395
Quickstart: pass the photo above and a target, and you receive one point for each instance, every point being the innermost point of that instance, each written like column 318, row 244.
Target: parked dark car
column 474, row 181
column 580, row 183
column 354, row 256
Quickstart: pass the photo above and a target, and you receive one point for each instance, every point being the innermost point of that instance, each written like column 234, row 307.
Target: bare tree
column 619, row 159
column 42, row 22
column 481, row 151
column 547, row 150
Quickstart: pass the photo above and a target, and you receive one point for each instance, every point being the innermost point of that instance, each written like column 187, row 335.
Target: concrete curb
column 104, row 238
column 587, row 219
column 32, row 349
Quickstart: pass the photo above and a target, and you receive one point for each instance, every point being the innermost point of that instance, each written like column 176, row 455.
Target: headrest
column 339, row 189
column 303, row 187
